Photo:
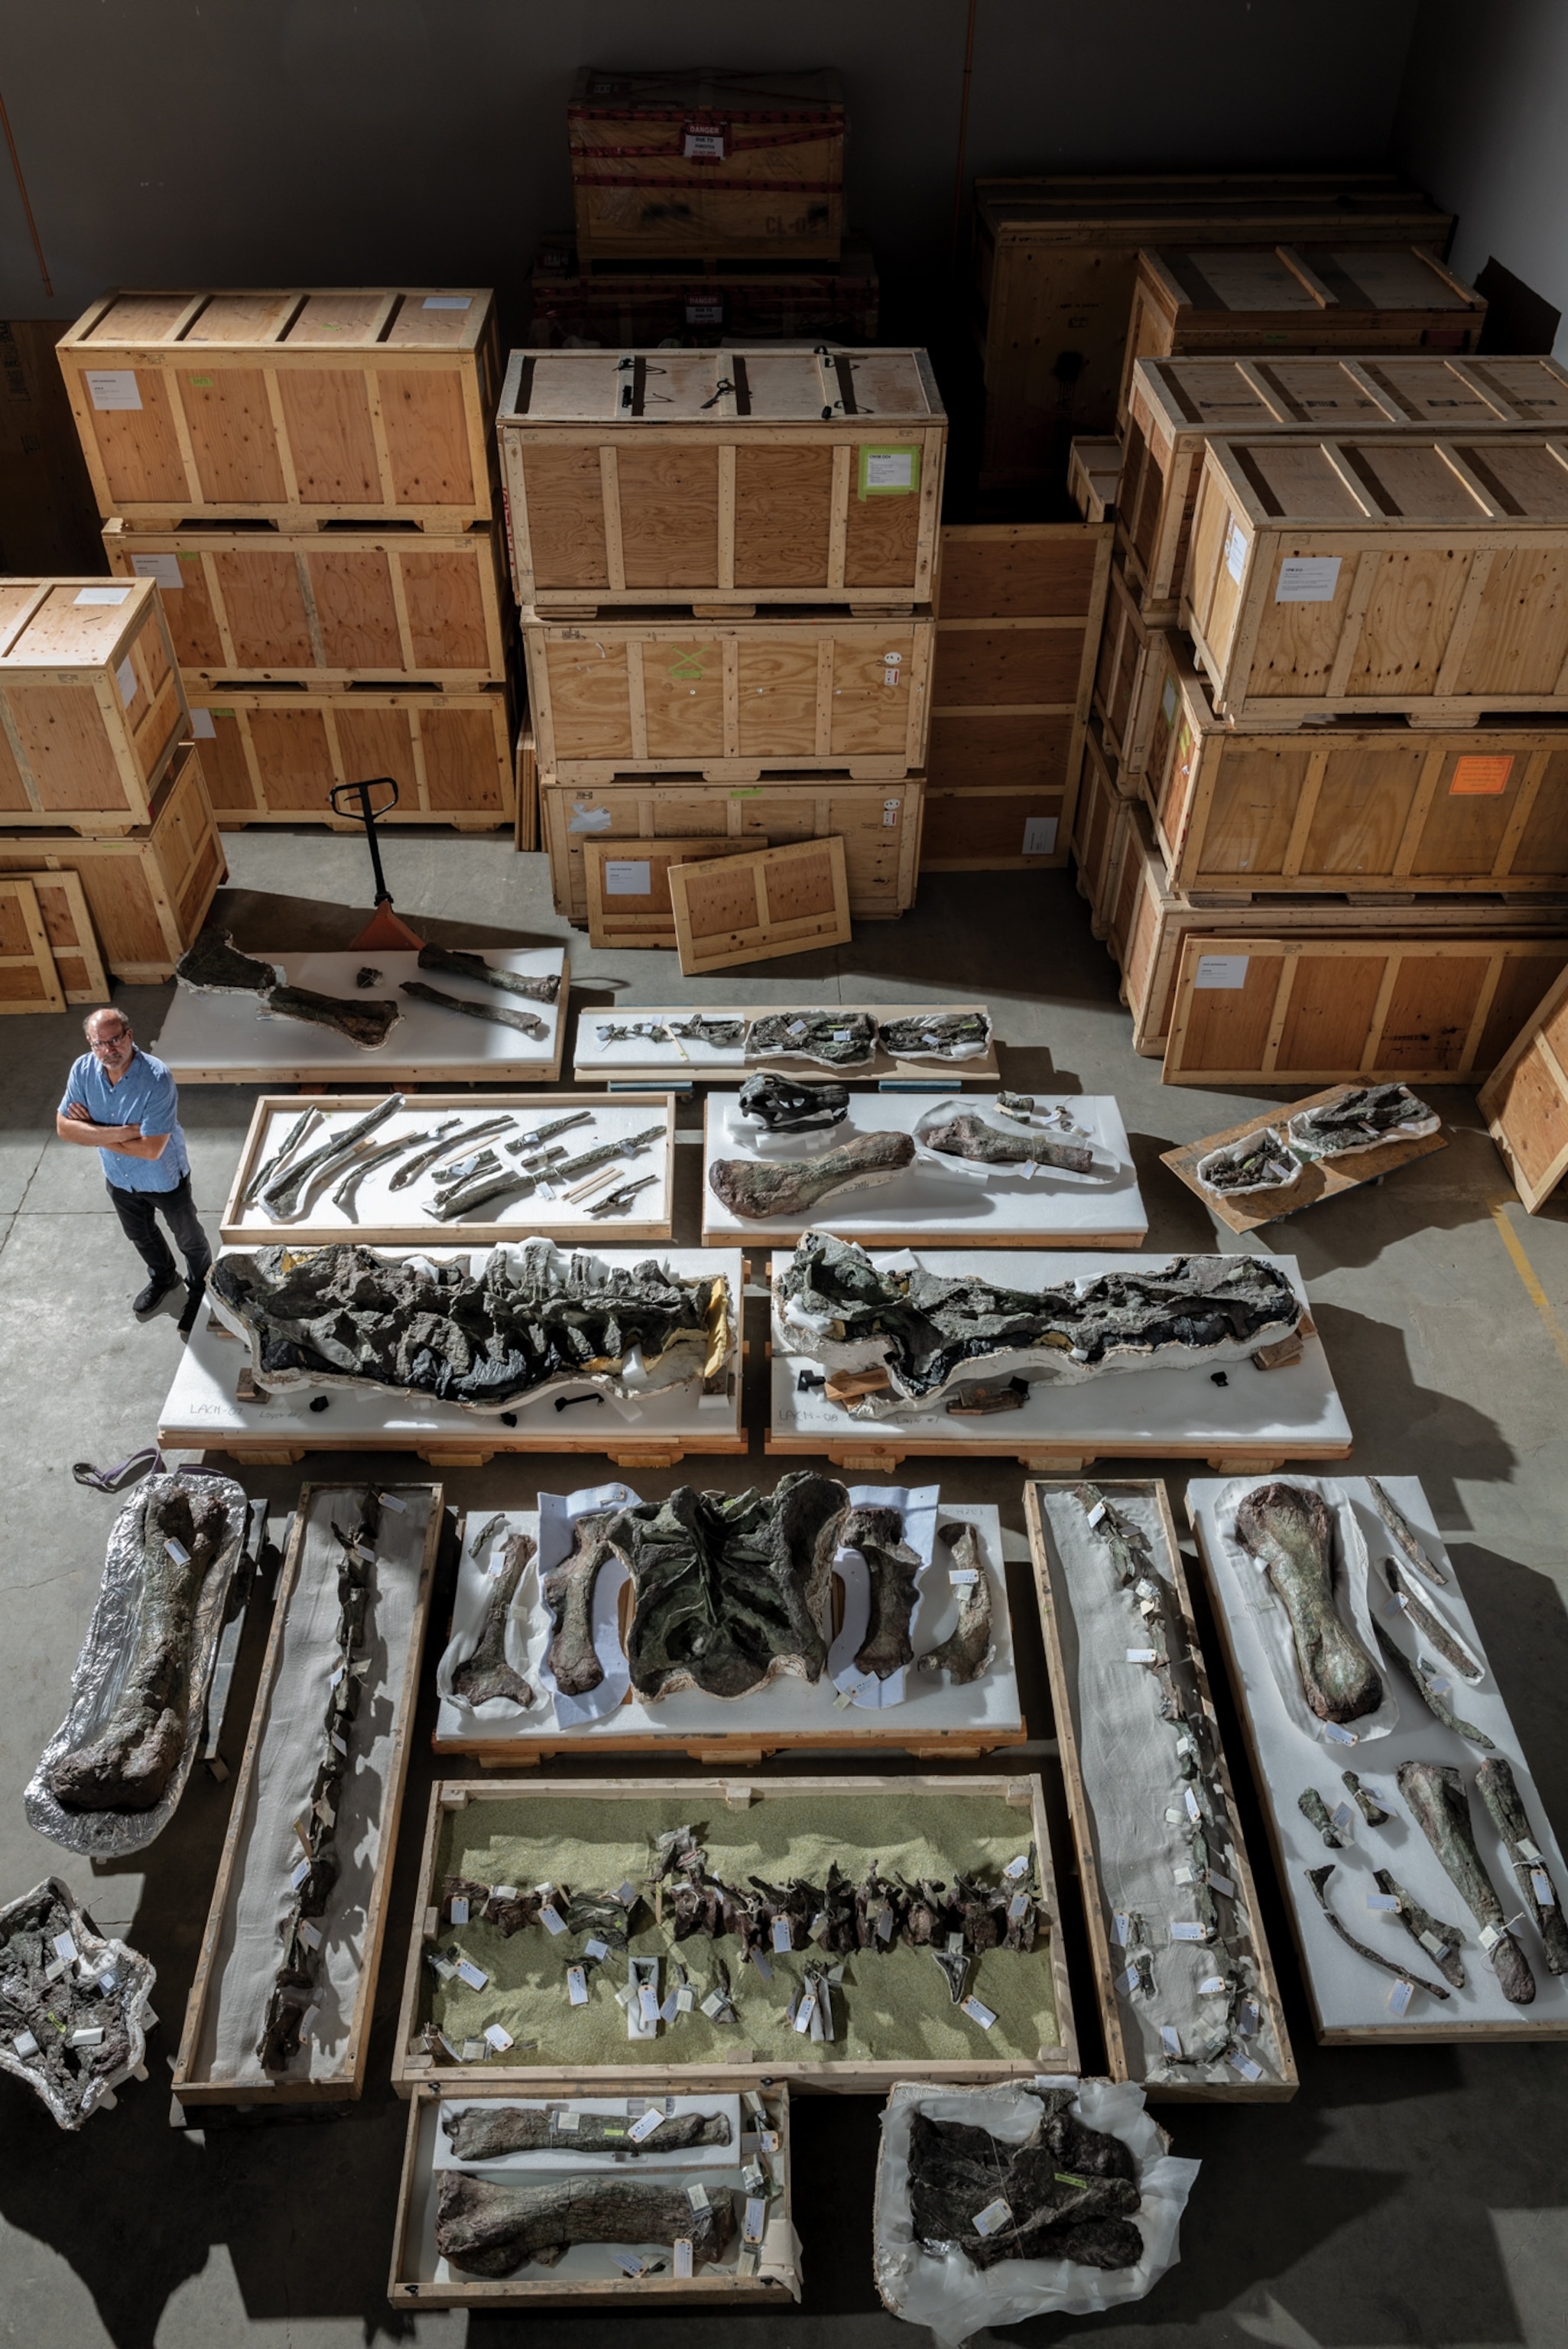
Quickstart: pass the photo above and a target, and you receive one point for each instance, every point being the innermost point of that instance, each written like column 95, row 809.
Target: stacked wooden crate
column 1328, row 834
column 726, row 563
column 308, row 477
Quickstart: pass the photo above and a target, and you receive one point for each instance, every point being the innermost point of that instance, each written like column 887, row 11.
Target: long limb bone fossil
column 1318, row 1879
column 1436, row 1794
column 1501, row 1795
column 1292, row 1531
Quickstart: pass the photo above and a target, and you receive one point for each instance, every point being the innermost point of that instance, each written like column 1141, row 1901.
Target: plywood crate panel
column 1176, row 406
column 1103, row 814
column 1018, row 619
column 273, row 756
column 695, row 161
column 68, row 926
column 637, row 307
column 1314, row 1010
column 1055, row 259
column 29, row 980
column 1151, row 924
column 324, row 608
column 722, row 477
column 300, row 405
column 1094, row 477
column 1525, row 1101
column 879, row 823
column 1399, row 574
column 646, row 694
column 90, row 703
column 1125, row 680
column 146, row 890
column 1300, row 297
column 1375, row 807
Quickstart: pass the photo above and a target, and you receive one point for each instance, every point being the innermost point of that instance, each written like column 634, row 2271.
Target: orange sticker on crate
column 1481, row 779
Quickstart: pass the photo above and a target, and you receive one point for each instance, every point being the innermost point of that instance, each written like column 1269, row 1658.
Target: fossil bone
column 484, row 2132
column 1292, row 1531
column 486, row 1673
column 1071, row 2192
column 568, row 1592
column 45, row 2004
column 944, row 1036
column 787, row 1105
column 213, row 965
column 604, row 1153
column 438, row 1144
column 526, row 1145
column 1363, row 1118
column 1371, row 1810
column 961, row 1134
column 1436, row 1794
column 479, row 1191
column 367, row 1023
column 892, row 1570
column 304, row 1125
column 618, row 1202
column 1404, row 1533
column 1441, row 1942
column 758, row 1188
column 1318, row 1879
column 970, row 1647
column 1316, row 1811
column 285, row 1195
column 1499, row 1793
column 488, row 2230
column 1425, row 1680
column 527, row 1023
column 460, row 965
column 1430, row 1625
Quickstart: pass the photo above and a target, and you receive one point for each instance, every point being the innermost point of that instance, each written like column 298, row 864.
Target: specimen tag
column 390, row 1501
column 299, row 1874
column 1399, row 1997
column 472, row 1974
column 1170, row 2039
column 672, row 2007
column 978, row 2012
column 1130, row 1985
column 596, row 1948
column 1246, row 2066
column 1337, row 1735
column 781, row 1941
column 1019, row 1905
column 1191, row 1800
column 805, row 2010
column 459, row 1910
column 683, row 2257
column 1247, row 2019
column 994, row 2216
column 1387, row 1901
column 1095, row 1514
column 1016, row 1867
column 1142, row 1655
column 1431, row 1944
column 551, row 1919
column 640, row 2131
column 629, row 2263
column 756, row 2218
column 1541, row 1885
column 647, row 2002
column 177, row 1550
column 310, row 1933
column 1182, row 1875
column 1396, row 1605
column 1186, row 1932
column 499, row 2037
column 961, row 1575
column 1121, row 1926
column 1344, row 1817
column 762, row 1962
column 1527, row 1850
column 713, row 2005
column 63, row 1948
column 568, row 2124
column 685, row 2000
column 697, row 2195
column 1222, row 1884
column 26, row 2044
column 577, row 1985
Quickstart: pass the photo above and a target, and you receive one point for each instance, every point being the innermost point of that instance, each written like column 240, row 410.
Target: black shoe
column 194, row 1292
column 153, row 1294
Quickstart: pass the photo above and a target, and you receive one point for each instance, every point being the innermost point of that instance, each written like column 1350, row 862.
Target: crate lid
column 354, row 317
column 1310, row 278
column 766, row 385
column 681, row 89
column 1111, row 208
column 68, row 623
column 1519, row 478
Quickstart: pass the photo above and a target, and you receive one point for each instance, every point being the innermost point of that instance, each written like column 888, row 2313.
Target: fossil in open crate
column 484, row 2132
column 486, row 2228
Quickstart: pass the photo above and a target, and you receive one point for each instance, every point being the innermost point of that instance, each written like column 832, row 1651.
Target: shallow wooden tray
column 597, row 1064
column 1320, row 1179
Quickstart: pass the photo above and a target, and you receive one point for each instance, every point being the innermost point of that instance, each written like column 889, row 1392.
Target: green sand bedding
column 892, row 2007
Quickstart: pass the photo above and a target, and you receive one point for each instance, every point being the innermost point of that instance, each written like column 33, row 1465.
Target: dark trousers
column 138, row 1212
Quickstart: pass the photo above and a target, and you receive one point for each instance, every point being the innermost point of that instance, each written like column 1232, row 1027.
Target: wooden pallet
column 1319, row 1178
column 29, row 980
column 1075, row 1726
column 91, row 709
column 757, row 905
column 1525, row 1101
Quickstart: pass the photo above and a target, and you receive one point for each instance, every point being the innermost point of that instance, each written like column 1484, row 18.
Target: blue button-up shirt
column 145, row 1096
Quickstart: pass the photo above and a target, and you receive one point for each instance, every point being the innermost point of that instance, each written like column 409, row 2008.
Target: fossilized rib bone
column 964, row 1135
column 841, row 1039
column 1421, row 1675
column 757, row 1188
column 970, row 1647
column 1292, row 1532
column 480, row 1191
column 485, row 2132
column 366, row 1021
column 486, row 1672
column 306, row 1122
column 604, row 1153
column 892, row 1568
column 440, row 1143
column 213, row 965
column 1501, row 1795
column 785, row 1105
column 1318, row 1879
column 459, row 965
column 730, row 1589
column 568, row 1592
column 1430, row 1625
column 527, row 1023
column 1404, row 1533
column 1072, row 2191
column 131, row 1762
column 1441, row 1942
column 1436, row 1794
column 487, row 2231
column 285, row 1195
column 368, row 1157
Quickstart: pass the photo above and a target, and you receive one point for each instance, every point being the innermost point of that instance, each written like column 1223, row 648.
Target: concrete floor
column 1404, row 2196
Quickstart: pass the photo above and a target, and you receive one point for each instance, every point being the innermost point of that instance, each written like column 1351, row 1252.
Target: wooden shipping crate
column 1151, row 924
column 1305, row 297
column 879, row 823
column 478, row 1828
column 722, row 477
column 320, row 404
column 148, row 890
column 90, row 702
column 1525, row 1101
column 1312, row 1009
column 1094, row 477
column 637, row 307
column 1176, row 406
column 327, row 607
column 1126, row 680
column 1375, row 807
column 29, row 979
column 68, row 926
column 751, row 2268
column 1103, row 814
column 1018, row 620
column 1398, row 574
column 273, row 754
column 692, row 161
column 1056, row 260
column 734, row 700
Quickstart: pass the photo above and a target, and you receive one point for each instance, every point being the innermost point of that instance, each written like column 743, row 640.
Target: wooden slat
column 63, row 910
column 641, row 915
column 28, row 978
column 758, row 903
column 1321, row 1178
column 1525, row 1102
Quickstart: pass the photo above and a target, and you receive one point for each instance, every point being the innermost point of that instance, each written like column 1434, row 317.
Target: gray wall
column 1483, row 124
column 366, row 141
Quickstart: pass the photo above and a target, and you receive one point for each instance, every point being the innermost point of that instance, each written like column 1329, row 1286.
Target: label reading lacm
column 1308, row 579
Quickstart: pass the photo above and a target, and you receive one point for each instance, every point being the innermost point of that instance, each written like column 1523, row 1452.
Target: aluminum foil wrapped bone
column 71, row 2027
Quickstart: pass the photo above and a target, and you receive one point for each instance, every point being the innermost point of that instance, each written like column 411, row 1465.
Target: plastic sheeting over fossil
column 1291, row 1530
column 758, row 1188
column 489, row 2229
column 350, row 1315
column 1068, row 2192
column 74, row 2004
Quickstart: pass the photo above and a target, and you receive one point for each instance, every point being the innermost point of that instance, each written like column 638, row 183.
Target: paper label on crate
column 201, row 726
column 1237, row 548
column 963, row 1576
column 1308, row 579
column 1222, row 970
column 1246, row 2066
column 1039, row 835
column 1121, row 1927
column 448, row 302
column 756, row 2218
column 1481, row 779
column 683, row 2259
column 978, row 2012
column 628, row 876
column 702, row 144
column 100, row 594
column 641, row 2131
column 473, row 1975
column 498, row 2037
column 888, row 472
column 1399, row 1997
column 994, row 2216
column 704, row 314
column 577, row 1985
column 113, row 388
column 629, row 2263
column 781, row 1936
column 1222, row 1885
column 124, row 678
column 163, row 568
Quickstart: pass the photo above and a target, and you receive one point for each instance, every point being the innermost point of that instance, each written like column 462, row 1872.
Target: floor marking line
column 1532, row 1287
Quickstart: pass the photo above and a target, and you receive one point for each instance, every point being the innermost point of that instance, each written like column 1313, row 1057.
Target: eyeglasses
column 111, row 1044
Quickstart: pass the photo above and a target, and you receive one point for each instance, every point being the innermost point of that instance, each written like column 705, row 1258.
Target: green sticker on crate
column 889, row 472
column 688, row 670
column 202, row 382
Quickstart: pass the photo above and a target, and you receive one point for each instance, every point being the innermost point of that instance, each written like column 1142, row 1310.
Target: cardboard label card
column 111, row 387
column 1308, row 579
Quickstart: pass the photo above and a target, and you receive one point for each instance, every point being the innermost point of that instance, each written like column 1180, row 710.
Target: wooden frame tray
column 220, row 1039
column 203, row 1412
column 649, row 1063
column 587, row 2277
column 275, row 1726
column 1256, row 1422
column 990, row 1208
column 936, row 1721
column 383, row 1218
column 763, row 2050
column 1320, row 1179
column 1078, row 1724
column 1347, row 1997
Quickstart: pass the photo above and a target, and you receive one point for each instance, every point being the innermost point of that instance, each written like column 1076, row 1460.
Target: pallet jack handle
column 385, row 929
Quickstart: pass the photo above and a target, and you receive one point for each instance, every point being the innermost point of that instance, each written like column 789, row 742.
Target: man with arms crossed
column 124, row 1105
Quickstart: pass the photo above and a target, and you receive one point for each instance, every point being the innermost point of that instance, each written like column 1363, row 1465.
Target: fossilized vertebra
column 485, row 2132
column 947, row 1036
column 1441, row 1942
column 961, row 1134
column 213, row 965
column 891, row 1569
column 488, row 2230
column 460, row 965
column 568, row 1592
column 1259, row 1162
column 1071, row 2191
column 1318, row 1879
column 837, row 1040
column 527, row 1023
column 1436, row 1794
column 1292, row 1531
column 1499, row 1792
column 785, row 1105
column 758, row 1187
column 486, row 1673
column 970, row 1647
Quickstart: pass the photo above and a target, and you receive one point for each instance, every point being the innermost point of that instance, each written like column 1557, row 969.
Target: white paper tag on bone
column 558, row 1514
column 919, row 1505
